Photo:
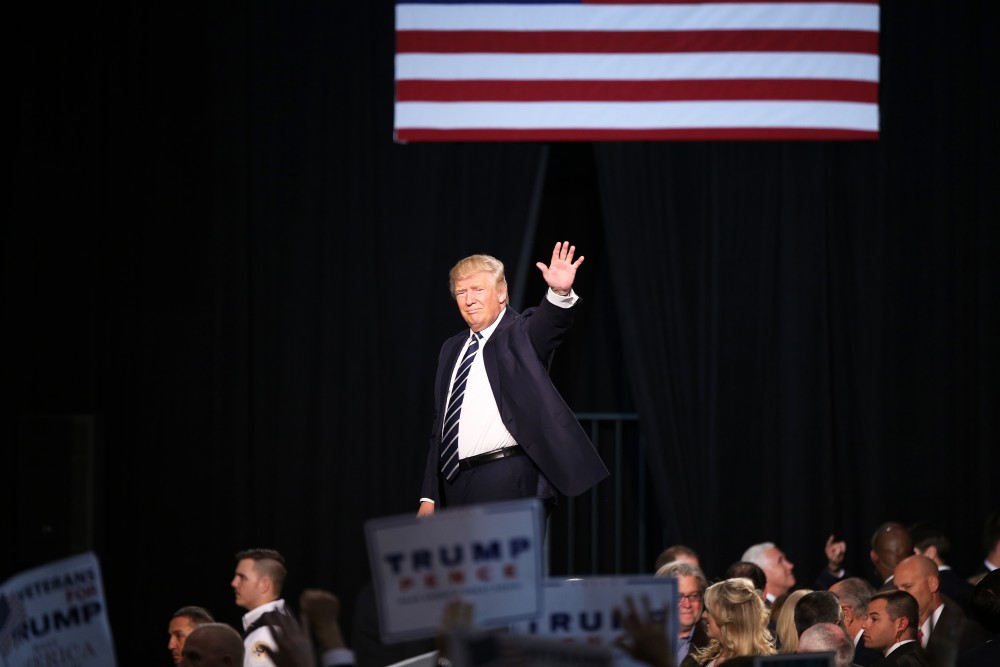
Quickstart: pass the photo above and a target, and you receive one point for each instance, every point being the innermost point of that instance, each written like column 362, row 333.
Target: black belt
column 480, row 459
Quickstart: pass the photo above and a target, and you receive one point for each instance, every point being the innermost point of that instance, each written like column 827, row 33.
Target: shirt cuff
column 427, row 500
column 337, row 656
column 567, row 301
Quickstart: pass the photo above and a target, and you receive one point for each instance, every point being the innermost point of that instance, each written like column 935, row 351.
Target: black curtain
column 215, row 249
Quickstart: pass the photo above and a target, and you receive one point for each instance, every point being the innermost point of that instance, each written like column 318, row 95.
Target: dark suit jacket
column 952, row 635
column 907, row 655
column 865, row 656
column 517, row 358
column 957, row 588
column 986, row 655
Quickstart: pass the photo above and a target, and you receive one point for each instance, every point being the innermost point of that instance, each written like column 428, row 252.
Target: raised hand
column 561, row 271
column 646, row 637
column 835, row 552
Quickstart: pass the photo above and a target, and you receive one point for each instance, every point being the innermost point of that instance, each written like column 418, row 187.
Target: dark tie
column 449, row 432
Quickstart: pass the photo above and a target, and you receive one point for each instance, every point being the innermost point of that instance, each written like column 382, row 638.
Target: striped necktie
column 449, row 432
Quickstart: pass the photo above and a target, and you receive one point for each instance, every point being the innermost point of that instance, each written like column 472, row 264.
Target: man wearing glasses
column 691, row 585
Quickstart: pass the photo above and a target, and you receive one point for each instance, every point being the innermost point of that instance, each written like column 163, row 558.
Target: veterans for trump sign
column 489, row 555
column 56, row 615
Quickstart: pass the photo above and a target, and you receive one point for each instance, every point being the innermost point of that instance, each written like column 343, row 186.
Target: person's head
column 691, row 585
column 183, row 622
column 784, row 621
column 777, row 568
column 750, row 571
column 480, row 290
column 890, row 544
column 676, row 552
column 892, row 618
column 986, row 602
column 930, row 541
column 854, row 594
column 213, row 645
column 828, row 637
column 918, row 576
column 260, row 575
column 736, row 621
column 817, row 607
column 991, row 537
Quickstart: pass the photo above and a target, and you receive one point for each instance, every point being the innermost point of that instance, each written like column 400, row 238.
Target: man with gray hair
column 691, row 585
column 828, row 637
column 776, row 566
column 854, row 594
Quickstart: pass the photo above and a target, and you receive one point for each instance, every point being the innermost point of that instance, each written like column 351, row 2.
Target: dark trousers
column 504, row 479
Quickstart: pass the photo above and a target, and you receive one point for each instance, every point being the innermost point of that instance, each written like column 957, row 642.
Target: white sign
column 481, row 649
column 56, row 615
column 489, row 555
column 584, row 609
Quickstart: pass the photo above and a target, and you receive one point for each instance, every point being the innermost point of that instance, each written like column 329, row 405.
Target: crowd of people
column 917, row 613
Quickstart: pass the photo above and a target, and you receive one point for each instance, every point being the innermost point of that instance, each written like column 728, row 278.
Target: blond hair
column 474, row 264
column 742, row 619
column 784, row 624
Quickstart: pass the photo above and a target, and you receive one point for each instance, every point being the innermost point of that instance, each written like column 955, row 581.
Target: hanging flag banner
column 592, row 70
column 584, row 610
column 56, row 615
column 488, row 555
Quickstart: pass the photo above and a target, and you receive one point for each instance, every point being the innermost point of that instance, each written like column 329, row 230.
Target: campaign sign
column 489, row 555
column 55, row 615
column 584, row 609
column 492, row 649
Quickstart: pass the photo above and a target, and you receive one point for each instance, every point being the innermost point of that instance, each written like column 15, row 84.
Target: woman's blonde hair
column 784, row 623
column 742, row 619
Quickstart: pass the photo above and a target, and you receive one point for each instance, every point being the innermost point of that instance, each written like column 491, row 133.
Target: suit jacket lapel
column 490, row 356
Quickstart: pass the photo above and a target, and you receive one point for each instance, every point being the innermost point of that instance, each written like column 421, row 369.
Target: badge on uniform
column 258, row 652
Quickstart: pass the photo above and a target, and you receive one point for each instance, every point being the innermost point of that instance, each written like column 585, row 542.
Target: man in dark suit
column 891, row 627
column 944, row 630
column 501, row 430
column 991, row 542
column 854, row 594
column 891, row 543
column 691, row 585
column 932, row 542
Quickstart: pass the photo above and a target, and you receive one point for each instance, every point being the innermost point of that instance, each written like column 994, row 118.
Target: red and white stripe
column 637, row 71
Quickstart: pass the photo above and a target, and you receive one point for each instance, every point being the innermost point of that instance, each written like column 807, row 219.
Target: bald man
column 213, row 645
column 945, row 632
column 891, row 543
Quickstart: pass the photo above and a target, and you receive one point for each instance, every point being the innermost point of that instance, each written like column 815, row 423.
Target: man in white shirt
column 501, row 430
column 854, row 594
column 891, row 627
column 945, row 631
column 260, row 575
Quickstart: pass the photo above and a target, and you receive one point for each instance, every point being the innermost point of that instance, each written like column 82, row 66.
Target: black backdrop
column 216, row 251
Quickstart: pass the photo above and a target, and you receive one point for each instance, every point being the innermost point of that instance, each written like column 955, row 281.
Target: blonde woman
column 784, row 622
column 736, row 621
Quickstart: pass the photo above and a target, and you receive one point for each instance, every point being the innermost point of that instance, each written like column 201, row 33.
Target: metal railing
column 607, row 530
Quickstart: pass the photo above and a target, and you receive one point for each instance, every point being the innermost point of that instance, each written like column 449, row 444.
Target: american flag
column 527, row 70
